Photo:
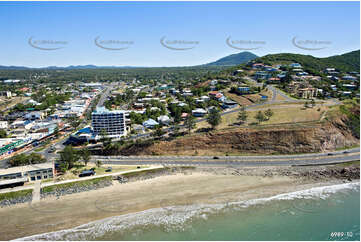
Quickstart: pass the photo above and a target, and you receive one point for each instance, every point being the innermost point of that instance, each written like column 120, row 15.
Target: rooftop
column 25, row 168
column 103, row 110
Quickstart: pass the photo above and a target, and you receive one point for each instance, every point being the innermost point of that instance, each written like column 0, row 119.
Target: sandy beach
column 196, row 187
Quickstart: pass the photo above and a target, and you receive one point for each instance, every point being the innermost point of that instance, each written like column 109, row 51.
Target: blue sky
column 274, row 24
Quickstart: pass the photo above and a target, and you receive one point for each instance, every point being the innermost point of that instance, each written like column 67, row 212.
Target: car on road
column 215, row 157
column 51, row 150
column 330, row 153
column 346, row 152
column 109, row 169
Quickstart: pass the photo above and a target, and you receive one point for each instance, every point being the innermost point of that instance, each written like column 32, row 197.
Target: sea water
column 322, row 213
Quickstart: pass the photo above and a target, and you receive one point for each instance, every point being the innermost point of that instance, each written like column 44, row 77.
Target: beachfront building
column 15, row 176
column 112, row 122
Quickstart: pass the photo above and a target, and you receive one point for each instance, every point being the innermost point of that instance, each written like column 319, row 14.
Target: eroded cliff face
column 320, row 137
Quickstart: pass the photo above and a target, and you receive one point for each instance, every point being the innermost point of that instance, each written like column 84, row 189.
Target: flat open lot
column 282, row 114
column 249, row 99
column 8, row 103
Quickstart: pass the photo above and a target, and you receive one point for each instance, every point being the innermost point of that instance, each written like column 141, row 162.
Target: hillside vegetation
column 346, row 62
column 235, row 59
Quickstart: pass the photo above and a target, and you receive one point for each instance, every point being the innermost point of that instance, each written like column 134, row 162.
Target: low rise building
column 150, row 123
column 4, row 125
column 26, row 173
column 164, row 119
column 199, row 112
column 5, row 94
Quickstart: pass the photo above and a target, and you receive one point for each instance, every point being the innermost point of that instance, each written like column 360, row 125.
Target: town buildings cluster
column 29, row 123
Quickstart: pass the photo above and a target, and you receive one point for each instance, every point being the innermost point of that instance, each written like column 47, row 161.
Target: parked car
column 109, row 169
column 51, row 150
column 87, row 173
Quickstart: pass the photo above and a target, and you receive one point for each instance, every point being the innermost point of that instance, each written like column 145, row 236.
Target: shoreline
column 181, row 189
column 101, row 227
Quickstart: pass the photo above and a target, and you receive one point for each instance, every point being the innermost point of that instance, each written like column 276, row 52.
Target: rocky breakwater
column 76, row 187
column 340, row 173
column 12, row 198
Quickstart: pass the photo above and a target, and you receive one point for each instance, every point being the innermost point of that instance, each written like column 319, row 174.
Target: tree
column 242, row 115
column 3, row 133
column 190, row 122
column 98, row 163
column 104, row 138
column 85, row 155
column 23, row 159
column 177, row 115
column 56, row 131
column 214, row 118
column 68, row 156
column 176, row 130
column 74, row 122
column 260, row 117
column 158, row 132
column 18, row 160
column 268, row 113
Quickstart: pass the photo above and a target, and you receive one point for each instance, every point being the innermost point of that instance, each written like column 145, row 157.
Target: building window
column 33, row 178
column 38, row 177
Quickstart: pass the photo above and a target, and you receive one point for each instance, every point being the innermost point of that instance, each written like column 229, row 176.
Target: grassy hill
column 233, row 60
column 346, row 62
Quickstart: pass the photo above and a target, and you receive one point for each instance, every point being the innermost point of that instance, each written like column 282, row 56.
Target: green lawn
column 79, row 167
column 12, row 195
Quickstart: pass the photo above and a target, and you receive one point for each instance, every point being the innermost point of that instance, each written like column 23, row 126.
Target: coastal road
column 271, row 160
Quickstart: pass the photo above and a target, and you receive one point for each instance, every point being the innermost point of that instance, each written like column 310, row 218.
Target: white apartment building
column 113, row 122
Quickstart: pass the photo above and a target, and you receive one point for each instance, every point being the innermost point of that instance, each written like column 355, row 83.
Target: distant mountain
column 13, row 68
column 346, row 62
column 63, row 68
column 233, row 60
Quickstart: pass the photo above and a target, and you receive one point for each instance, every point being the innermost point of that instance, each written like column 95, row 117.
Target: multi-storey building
column 110, row 122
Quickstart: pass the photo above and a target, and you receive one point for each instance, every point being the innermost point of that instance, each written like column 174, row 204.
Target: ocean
column 322, row 213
